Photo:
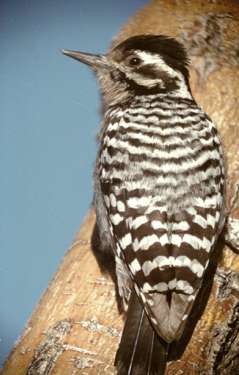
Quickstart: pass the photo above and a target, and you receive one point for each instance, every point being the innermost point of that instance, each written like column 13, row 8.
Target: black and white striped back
column 162, row 178
column 159, row 192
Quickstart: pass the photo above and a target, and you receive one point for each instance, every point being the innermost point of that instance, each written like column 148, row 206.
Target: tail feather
column 141, row 351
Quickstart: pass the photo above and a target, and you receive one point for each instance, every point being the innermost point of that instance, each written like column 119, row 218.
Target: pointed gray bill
column 94, row 61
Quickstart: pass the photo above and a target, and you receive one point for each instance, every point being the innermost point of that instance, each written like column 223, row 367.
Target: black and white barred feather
column 160, row 193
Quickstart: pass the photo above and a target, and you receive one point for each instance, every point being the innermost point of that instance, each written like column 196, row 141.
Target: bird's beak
column 94, row 61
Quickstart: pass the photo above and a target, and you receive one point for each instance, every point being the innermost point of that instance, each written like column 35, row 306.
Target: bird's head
column 140, row 65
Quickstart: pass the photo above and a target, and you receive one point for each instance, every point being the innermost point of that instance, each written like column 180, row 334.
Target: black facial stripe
column 169, row 83
column 148, row 71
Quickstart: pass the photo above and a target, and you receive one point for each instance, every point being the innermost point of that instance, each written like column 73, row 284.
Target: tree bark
column 76, row 326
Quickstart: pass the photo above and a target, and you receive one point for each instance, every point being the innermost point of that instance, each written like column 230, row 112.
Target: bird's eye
column 134, row 61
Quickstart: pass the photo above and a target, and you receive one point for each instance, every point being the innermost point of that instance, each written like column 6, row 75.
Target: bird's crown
column 168, row 49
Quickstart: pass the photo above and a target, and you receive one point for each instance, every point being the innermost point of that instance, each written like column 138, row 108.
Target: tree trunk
column 76, row 326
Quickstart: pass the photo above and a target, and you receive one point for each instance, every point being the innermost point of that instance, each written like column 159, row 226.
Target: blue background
column 48, row 122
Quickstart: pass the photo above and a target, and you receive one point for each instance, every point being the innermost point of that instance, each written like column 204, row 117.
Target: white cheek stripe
column 150, row 58
column 142, row 81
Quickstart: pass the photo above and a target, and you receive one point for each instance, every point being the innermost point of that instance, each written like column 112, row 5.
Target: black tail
column 141, row 351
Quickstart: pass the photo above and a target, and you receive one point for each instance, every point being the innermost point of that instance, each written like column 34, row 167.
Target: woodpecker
column 159, row 192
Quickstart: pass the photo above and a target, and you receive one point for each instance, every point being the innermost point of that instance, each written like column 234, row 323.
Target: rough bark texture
column 76, row 326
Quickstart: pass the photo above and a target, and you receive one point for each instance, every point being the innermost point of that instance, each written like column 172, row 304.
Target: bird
column 159, row 192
